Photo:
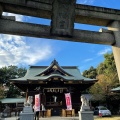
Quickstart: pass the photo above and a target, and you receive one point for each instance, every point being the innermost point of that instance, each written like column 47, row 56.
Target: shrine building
column 52, row 82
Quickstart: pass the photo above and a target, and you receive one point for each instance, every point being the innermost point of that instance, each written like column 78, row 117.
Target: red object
column 68, row 101
column 37, row 102
column 100, row 114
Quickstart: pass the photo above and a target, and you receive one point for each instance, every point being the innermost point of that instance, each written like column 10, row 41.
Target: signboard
column 37, row 102
column 68, row 101
column 63, row 12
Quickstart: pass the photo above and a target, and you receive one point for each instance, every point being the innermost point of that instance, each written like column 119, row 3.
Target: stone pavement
column 48, row 118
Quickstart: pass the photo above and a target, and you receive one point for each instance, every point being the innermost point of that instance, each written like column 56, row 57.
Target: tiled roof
column 34, row 73
column 12, row 100
column 74, row 71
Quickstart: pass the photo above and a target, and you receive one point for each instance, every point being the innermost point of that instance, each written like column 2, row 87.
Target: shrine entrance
column 52, row 83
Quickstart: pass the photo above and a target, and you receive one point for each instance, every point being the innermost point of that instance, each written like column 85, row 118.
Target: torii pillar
column 115, row 27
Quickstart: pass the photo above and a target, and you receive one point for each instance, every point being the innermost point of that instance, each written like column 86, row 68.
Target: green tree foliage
column 11, row 72
column 107, row 78
column 91, row 73
column 13, row 92
column 108, row 65
column 3, row 75
column 1, row 91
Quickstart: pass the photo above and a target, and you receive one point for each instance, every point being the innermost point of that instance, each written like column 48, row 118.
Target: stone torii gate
column 63, row 14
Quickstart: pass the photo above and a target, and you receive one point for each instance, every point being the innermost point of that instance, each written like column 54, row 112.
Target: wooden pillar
column 26, row 95
column 44, row 99
column 1, row 10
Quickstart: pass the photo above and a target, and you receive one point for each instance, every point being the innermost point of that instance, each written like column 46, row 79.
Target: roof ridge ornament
column 54, row 62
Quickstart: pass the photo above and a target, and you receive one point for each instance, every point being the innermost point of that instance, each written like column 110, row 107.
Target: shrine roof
column 12, row 100
column 117, row 89
column 43, row 73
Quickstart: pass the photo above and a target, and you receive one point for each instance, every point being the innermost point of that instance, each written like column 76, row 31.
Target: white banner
column 68, row 101
column 37, row 102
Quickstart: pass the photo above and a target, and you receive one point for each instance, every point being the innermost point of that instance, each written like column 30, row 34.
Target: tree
column 91, row 73
column 106, row 73
column 3, row 75
column 107, row 78
column 102, row 88
column 1, row 91
column 108, row 65
column 11, row 72
column 13, row 92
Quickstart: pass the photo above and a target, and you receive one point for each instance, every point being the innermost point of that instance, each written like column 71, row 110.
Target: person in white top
column 55, row 98
column 43, row 110
column 36, row 113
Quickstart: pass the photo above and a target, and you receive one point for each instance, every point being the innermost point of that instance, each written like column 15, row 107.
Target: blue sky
column 25, row 51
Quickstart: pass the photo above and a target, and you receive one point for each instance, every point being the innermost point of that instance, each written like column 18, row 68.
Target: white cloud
column 85, row 1
column 102, row 52
column 15, row 51
column 37, row 52
column 89, row 59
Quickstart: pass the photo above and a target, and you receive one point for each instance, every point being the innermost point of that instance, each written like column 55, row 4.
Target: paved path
column 49, row 118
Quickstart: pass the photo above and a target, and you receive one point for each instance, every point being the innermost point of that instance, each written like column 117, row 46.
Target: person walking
column 36, row 111
column 43, row 110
